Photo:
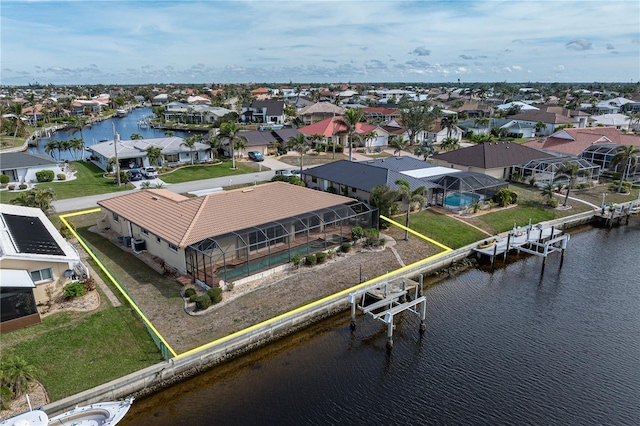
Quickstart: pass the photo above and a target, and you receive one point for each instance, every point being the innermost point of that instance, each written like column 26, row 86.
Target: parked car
column 256, row 156
column 134, row 174
column 284, row 173
column 149, row 172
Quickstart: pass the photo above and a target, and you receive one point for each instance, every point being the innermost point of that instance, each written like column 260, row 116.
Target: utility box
column 139, row 245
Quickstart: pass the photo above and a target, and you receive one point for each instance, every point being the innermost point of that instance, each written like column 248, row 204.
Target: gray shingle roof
column 492, row 155
column 19, row 160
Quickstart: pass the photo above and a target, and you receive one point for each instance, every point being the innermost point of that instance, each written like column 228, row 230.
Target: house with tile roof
column 334, row 131
column 21, row 167
column 525, row 122
column 319, row 111
column 36, row 262
column 575, row 141
column 231, row 235
column 619, row 121
column 493, row 158
column 264, row 141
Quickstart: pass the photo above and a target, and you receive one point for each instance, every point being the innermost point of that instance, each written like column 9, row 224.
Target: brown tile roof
column 492, row 155
column 574, row 141
column 183, row 221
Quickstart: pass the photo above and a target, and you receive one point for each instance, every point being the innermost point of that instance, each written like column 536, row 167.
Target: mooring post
column 352, row 300
column 420, row 281
column 423, row 316
column 389, row 321
column 495, row 251
column 506, row 252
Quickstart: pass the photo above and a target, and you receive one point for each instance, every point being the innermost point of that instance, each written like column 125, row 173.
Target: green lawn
column 203, row 171
column 443, row 229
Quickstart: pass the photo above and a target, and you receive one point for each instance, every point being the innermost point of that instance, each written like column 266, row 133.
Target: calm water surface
column 125, row 127
column 510, row 347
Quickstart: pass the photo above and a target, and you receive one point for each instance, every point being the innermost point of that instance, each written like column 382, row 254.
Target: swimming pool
column 463, row 199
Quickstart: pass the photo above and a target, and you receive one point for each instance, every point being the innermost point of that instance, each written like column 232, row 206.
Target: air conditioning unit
column 139, row 245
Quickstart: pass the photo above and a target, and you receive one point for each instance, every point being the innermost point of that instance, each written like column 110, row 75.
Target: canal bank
column 162, row 375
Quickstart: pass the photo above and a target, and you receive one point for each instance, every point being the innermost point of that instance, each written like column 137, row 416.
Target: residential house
column 86, row 107
column 575, row 141
column 319, row 111
column 21, row 167
column 525, row 122
column 619, row 121
column 197, row 114
column 438, row 132
column 228, row 236
column 381, row 114
column 133, row 153
column 492, row 158
column 263, row 141
column 474, row 109
column 36, row 262
column 267, row 111
column 334, row 131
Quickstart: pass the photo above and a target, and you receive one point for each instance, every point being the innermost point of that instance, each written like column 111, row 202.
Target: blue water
column 511, row 347
column 460, row 199
column 125, row 127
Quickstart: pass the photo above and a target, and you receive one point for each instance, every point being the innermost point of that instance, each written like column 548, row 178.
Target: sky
column 142, row 42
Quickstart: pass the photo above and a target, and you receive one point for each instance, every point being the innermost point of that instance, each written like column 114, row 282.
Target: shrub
column 65, row 230
column 321, row 257
column 11, row 187
column 23, row 186
column 296, row 259
column 345, row 247
column 311, row 260
column 202, row 302
column 89, row 284
column 74, row 289
column 4, row 179
column 505, row 196
column 372, row 235
column 215, row 294
column 45, row 175
column 552, row 202
column 189, row 292
column 357, row 232
column 193, row 298
column 532, row 181
column 61, row 176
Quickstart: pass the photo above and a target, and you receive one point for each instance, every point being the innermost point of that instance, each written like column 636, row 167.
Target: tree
column 17, row 111
column 169, row 133
column 572, row 171
column 547, row 192
column 290, row 114
column 154, row 154
column 349, row 120
column 399, row 144
column 482, row 122
column 417, row 119
column 409, row 198
column 627, row 157
column 315, row 139
column 231, row 132
column 215, row 143
column 449, row 122
column 384, row 198
column 136, row 136
column 17, row 374
column 540, row 126
column 191, row 144
column 369, row 137
column 449, row 144
column 39, row 197
column 426, row 149
column 76, row 145
column 299, row 144
column 50, row 147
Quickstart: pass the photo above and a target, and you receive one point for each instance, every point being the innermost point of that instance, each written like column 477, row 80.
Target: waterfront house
column 21, row 167
column 36, row 262
column 267, row 111
column 233, row 234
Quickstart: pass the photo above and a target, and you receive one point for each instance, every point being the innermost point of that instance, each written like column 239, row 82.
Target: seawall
column 156, row 377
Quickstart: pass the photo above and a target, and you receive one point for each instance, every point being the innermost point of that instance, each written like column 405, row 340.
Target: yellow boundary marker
column 113, row 280
column 271, row 320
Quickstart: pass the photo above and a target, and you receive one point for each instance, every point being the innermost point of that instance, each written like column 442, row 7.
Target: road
column 91, row 201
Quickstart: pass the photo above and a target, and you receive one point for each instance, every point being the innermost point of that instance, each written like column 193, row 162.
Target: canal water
column 507, row 347
column 98, row 132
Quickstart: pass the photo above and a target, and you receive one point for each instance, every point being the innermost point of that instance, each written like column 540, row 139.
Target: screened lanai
column 602, row 155
column 546, row 170
column 247, row 251
column 462, row 189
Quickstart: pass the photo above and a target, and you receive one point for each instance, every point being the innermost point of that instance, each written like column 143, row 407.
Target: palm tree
column 449, row 122
column 426, row 149
column 540, row 126
column 349, row 120
column 299, row 144
column 481, row 122
column 369, row 137
column 231, row 132
column 547, row 192
column 572, row 171
column 154, row 154
column 17, row 373
column 136, row 136
column 409, row 198
column 17, row 111
column 315, row 139
column 191, row 144
column 449, row 144
column 628, row 158
column 385, row 199
column 399, row 144
column 52, row 146
column 239, row 146
column 169, row 133
column 39, row 197
column 76, row 145
column 215, row 143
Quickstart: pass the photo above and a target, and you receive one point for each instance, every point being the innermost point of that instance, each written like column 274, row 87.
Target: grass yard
column 444, row 229
column 204, row 171
column 76, row 351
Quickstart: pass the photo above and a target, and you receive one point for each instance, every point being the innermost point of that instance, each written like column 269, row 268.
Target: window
column 144, row 231
column 42, row 275
column 116, row 218
column 158, row 240
column 314, row 179
column 173, row 247
column 354, row 189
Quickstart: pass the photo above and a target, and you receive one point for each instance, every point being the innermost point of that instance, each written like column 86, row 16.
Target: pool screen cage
column 245, row 252
column 465, row 187
column 602, row 155
column 548, row 170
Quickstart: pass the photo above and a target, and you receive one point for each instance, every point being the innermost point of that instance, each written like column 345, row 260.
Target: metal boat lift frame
column 392, row 303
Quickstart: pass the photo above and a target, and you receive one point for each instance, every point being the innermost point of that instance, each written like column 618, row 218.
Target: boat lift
column 392, row 300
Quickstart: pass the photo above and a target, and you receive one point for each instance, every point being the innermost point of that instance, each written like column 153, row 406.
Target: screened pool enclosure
column 549, row 170
column 602, row 155
column 247, row 251
column 460, row 190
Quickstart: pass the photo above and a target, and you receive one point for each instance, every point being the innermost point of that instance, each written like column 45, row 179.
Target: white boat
column 103, row 413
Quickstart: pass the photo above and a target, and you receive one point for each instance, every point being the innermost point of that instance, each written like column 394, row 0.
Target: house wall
column 29, row 174
column 40, row 292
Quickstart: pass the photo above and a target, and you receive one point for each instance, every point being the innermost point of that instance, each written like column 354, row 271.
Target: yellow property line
column 113, row 280
column 340, row 293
